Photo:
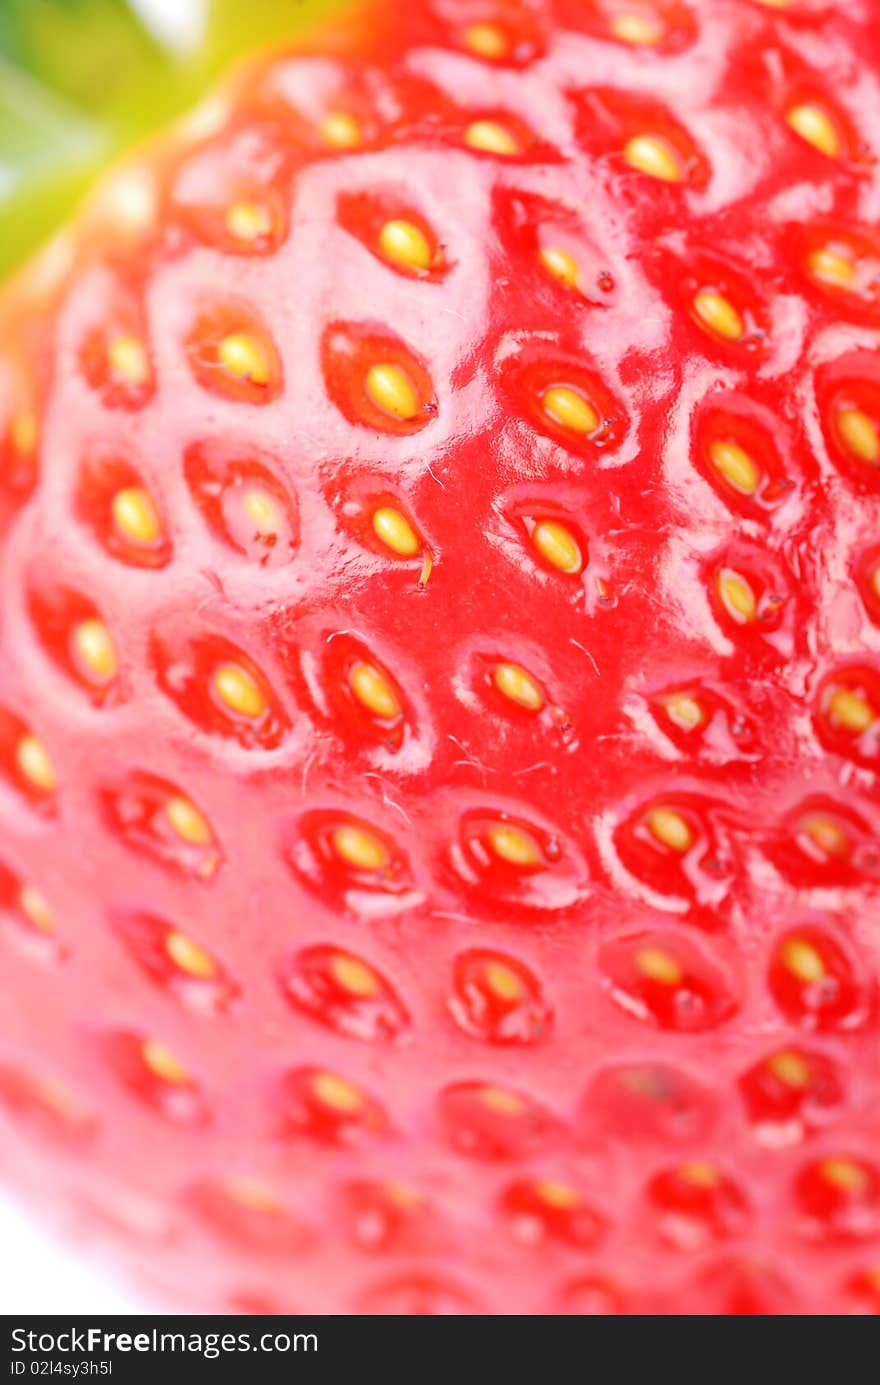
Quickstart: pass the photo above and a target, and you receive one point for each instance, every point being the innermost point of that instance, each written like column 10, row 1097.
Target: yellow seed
column 504, row 982
column 670, row 828
column 556, row 1194
column 737, row 597
column 360, row 848
column 242, row 357
column 814, row 125
column 486, row 41
column 501, row 1102
column 247, row 221
column 94, row 647
column 827, row 835
column 406, row 245
column 128, row 360
column 791, row 1069
column 514, row 683
column 24, row 432
column 253, row 1196
column 514, row 846
column 354, row 976
column 395, row 531
column 340, row 130
column 648, row 1082
column 803, row 960
column 336, row 1092
column 655, row 964
column 685, row 711
column 32, row 759
column 831, row 267
column 263, row 510
column 163, row 1064
column 187, row 822
column 35, row 909
column 189, row 957
column 392, row 391
column 57, row 1099
column 135, row 515
column 569, row 409
column 402, row 1195
column 374, row 691
column 718, row 314
column 851, row 710
column 700, row 1174
column 557, row 545
column 860, row 434
column 641, row 30
column 844, row 1174
column 492, row 138
column 562, row 265
column 239, row 691
column 652, row 155
column 735, row 466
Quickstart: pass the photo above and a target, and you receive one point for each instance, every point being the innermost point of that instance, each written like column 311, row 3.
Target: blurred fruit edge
column 83, row 81
column 82, row 84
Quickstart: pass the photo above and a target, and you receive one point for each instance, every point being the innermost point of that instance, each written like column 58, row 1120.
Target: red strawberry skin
column 441, row 675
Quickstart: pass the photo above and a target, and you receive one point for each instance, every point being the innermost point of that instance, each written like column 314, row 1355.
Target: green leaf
column 84, row 50
column 233, row 26
column 82, row 80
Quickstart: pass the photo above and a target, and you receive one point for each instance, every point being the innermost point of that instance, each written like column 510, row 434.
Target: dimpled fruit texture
column 441, row 674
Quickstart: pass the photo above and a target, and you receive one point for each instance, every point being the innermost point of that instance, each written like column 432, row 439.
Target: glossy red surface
column 441, row 675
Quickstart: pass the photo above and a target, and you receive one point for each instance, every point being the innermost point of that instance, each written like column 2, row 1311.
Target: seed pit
column 231, row 354
column 328, row 1108
column 364, row 698
column 26, row 762
column 221, row 689
column 115, row 361
column 154, row 816
column 648, row 1101
column 341, row 852
column 395, row 232
column 735, row 449
column 848, row 394
column 498, row 999
column 815, row 983
column 45, row 1107
column 156, row 1076
column 243, row 502
column 493, row 1124
column 344, row 993
column 644, row 136
column 847, row 713
column 115, row 503
column 176, row 963
column 78, row 640
column 843, row 263
column 375, row 380
column 791, row 1092
column 248, row 1216
column 666, row 981
column 28, row 919
column 566, row 402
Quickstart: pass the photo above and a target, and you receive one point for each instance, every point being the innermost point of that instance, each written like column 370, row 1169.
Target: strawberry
column 441, row 674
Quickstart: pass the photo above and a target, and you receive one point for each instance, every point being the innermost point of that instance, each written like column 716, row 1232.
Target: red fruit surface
column 441, row 674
